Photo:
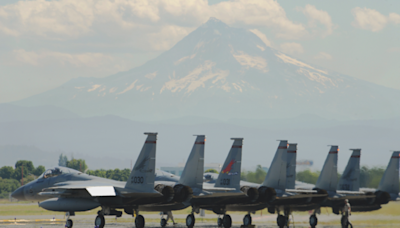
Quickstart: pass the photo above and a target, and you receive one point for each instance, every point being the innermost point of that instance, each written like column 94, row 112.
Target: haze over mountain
column 112, row 142
column 221, row 72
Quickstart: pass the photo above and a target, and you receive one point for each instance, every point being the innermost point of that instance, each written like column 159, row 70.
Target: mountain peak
column 214, row 23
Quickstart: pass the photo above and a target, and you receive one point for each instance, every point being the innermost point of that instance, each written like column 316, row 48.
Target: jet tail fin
column 192, row 174
column 328, row 178
column 276, row 176
column 143, row 173
column 350, row 179
column 390, row 180
column 291, row 166
column 230, row 173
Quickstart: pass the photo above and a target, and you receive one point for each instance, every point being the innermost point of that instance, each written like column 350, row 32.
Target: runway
column 265, row 221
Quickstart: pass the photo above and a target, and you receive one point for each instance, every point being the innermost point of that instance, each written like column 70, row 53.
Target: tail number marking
column 225, row 181
column 137, row 180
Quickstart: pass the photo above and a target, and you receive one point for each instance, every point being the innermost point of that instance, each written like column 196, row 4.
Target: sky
column 47, row 43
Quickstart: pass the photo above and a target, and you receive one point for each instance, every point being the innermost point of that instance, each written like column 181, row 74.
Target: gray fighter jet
column 348, row 185
column 70, row 191
column 274, row 193
column 214, row 196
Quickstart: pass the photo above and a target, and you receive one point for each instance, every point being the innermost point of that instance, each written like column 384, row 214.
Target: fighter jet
column 388, row 189
column 274, row 194
column 214, row 196
column 348, row 185
column 70, row 191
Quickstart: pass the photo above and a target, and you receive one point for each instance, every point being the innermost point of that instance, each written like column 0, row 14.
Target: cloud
column 101, row 63
column 256, row 13
column 137, row 23
column 395, row 18
column 393, row 50
column 323, row 55
column 262, row 36
column 370, row 19
column 292, row 48
column 316, row 16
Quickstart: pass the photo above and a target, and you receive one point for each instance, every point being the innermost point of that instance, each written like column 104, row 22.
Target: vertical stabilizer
column 143, row 173
column 192, row 174
column 291, row 166
column 390, row 180
column 230, row 173
column 276, row 176
column 350, row 179
column 328, row 178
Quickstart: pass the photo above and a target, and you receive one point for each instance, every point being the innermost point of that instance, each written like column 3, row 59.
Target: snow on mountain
column 222, row 72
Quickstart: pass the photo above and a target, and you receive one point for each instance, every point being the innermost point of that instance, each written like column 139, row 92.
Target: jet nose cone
column 19, row 193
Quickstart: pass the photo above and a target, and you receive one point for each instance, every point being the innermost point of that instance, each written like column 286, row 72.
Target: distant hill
column 9, row 112
column 220, row 72
column 113, row 142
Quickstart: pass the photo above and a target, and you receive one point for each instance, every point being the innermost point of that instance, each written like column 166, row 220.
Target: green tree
column 97, row 172
column 116, row 174
column 39, row 170
column 77, row 164
column 211, row 171
column 257, row 176
column 307, row 176
column 6, row 172
column 27, row 166
column 7, row 186
column 62, row 160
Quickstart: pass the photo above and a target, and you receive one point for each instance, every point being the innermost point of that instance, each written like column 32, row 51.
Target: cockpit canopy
column 56, row 171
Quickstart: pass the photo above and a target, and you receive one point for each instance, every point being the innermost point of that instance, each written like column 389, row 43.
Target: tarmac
column 126, row 221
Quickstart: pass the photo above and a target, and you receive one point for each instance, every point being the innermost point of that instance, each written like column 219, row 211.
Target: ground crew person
column 170, row 216
column 346, row 212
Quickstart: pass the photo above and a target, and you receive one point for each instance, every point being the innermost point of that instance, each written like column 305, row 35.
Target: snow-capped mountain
column 222, row 72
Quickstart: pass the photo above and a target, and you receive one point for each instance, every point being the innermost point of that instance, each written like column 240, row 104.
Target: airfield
column 29, row 214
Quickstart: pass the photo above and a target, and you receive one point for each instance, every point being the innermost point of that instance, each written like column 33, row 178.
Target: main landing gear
column 247, row 220
column 68, row 221
column 225, row 221
column 190, row 220
column 99, row 221
column 314, row 219
column 283, row 220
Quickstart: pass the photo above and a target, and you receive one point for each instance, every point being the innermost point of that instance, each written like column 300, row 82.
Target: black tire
column 219, row 222
column 69, row 223
column 99, row 222
column 163, row 222
column 190, row 220
column 313, row 221
column 247, row 220
column 139, row 221
column 227, row 221
column 281, row 221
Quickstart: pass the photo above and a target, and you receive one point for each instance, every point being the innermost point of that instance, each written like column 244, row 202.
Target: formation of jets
column 148, row 189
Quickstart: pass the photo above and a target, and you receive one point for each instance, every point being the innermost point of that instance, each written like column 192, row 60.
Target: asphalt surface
column 260, row 221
